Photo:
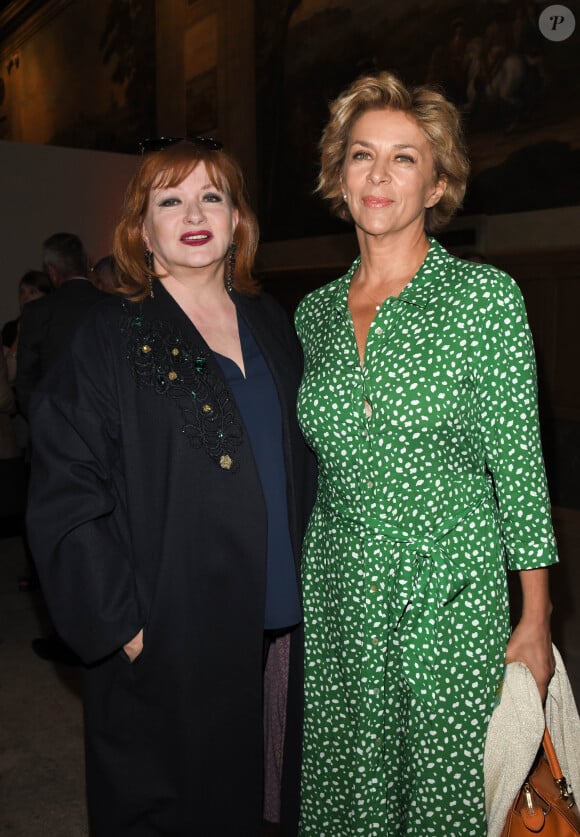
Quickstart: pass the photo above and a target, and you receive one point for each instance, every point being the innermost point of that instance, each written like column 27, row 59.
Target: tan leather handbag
column 545, row 804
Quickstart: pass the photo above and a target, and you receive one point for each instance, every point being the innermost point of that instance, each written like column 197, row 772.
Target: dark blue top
column 257, row 400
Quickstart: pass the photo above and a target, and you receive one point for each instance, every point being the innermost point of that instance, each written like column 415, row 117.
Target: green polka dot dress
column 431, row 483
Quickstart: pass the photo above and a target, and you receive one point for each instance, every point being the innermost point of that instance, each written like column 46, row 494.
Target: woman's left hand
column 135, row 647
column 531, row 644
column 531, row 641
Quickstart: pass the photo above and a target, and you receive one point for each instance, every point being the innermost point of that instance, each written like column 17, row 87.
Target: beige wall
column 46, row 190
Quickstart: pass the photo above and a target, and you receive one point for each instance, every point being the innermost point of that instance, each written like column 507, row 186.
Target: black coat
column 46, row 328
column 146, row 511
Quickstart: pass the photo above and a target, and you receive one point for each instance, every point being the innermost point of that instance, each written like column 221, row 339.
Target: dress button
column 374, row 588
column 379, row 330
column 375, row 640
column 370, row 483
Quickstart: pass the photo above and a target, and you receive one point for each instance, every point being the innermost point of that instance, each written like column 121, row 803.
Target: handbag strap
column 555, row 769
column 551, row 756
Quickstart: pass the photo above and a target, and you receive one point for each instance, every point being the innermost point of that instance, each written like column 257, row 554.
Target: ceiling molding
column 21, row 19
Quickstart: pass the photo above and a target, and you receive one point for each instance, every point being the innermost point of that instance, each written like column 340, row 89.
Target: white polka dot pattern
column 431, row 481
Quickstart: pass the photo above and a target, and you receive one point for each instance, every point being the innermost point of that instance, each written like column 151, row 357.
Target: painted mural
column 83, row 85
column 519, row 93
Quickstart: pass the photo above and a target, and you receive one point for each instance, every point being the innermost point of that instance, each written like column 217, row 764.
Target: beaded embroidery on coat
column 163, row 361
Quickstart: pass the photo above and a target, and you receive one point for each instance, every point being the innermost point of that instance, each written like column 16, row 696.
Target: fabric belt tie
column 425, row 579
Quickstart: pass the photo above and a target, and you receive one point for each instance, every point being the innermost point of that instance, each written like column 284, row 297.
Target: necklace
column 377, row 305
column 374, row 302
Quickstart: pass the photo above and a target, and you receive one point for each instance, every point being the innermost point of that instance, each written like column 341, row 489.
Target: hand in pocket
column 133, row 648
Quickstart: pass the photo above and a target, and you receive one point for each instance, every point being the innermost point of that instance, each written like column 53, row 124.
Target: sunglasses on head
column 152, row 144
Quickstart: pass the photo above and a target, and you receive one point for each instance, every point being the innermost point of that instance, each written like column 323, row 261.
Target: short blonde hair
column 437, row 117
column 168, row 168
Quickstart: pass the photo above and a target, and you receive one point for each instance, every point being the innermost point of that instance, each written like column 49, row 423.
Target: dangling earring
column 345, row 198
column 229, row 280
column 149, row 266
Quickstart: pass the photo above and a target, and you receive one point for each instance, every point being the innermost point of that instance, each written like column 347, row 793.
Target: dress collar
column 417, row 292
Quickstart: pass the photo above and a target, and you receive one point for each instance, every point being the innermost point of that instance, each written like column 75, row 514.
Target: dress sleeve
column 507, row 385
column 76, row 518
column 300, row 323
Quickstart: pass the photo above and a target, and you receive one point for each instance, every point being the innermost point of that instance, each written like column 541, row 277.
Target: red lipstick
column 196, row 238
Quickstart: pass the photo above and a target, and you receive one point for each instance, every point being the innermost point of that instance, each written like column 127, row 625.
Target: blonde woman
column 419, row 399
